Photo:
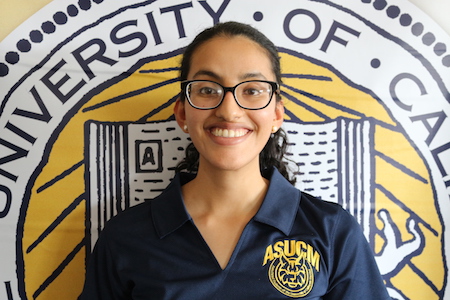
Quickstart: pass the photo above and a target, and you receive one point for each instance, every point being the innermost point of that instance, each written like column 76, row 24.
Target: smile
column 228, row 133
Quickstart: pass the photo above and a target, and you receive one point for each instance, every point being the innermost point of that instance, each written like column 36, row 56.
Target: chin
column 234, row 164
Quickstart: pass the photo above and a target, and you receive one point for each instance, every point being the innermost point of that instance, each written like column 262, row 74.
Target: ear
column 279, row 114
column 180, row 114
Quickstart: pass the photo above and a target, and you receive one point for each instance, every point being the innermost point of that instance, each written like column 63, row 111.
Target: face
column 230, row 137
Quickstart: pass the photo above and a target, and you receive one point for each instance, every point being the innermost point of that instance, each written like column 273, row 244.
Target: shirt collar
column 168, row 210
column 278, row 209
column 280, row 205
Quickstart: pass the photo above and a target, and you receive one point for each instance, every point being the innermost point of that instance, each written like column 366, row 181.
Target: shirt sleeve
column 102, row 277
column 354, row 274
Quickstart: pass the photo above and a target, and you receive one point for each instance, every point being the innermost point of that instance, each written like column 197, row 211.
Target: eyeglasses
column 252, row 94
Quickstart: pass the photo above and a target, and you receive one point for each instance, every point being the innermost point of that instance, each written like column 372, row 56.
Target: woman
column 233, row 226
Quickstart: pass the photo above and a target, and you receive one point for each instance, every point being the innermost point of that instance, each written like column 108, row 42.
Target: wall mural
column 86, row 127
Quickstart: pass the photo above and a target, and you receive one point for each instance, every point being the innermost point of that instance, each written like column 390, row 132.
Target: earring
column 185, row 128
column 274, row 129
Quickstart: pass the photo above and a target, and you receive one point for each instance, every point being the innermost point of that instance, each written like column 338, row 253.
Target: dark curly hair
column 273, row 154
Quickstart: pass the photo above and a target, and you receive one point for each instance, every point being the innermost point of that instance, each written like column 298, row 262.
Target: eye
column 253, row 92
column 205, row 89
column 255, row 89
column 208, row 91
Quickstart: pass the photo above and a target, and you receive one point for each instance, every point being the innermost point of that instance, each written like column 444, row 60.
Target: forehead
column 232, row 56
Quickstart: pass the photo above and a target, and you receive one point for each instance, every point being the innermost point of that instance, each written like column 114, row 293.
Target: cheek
column 195, row 119
column 265, row 119
column 192, row 114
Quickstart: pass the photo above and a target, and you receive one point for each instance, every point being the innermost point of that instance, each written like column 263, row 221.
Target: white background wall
column 438, row 10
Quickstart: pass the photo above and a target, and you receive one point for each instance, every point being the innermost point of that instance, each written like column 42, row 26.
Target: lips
column 229, row 133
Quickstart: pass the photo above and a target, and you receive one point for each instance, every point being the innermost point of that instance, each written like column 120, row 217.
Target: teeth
column 228, row 133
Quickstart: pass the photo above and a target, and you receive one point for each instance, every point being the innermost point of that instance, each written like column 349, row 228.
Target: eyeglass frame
column 274, row 85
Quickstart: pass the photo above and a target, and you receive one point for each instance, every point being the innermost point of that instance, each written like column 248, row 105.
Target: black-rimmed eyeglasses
column 252, row 94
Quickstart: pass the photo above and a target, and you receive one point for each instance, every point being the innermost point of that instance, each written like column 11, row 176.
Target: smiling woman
column 234, row 216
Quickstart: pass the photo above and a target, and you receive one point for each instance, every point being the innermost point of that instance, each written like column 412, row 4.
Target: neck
column 225, row 192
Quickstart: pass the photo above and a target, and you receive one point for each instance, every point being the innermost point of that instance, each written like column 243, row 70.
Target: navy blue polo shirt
column 295, row 247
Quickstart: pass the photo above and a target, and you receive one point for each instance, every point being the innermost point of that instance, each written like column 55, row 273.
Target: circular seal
column 87, row 85
column 293, row 277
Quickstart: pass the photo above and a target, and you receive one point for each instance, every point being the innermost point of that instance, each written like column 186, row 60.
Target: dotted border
column 417, row 29
column 60, row 18
column 37, row 36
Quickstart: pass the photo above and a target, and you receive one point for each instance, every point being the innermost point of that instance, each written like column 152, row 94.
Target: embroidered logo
column 292, row 266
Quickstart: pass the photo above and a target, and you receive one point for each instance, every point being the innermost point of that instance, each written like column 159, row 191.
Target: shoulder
column 314, row 202
column 130, row 219
column 153, row 217
column 321, row 207
column 328, row 214
column 141, row 214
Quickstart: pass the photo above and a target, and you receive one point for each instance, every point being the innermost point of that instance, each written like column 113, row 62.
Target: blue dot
column 36, row 36
column 366, row 1
column 440, row 49
column 379, row 4
column 23, row 45
column 417, row 29
column 48, row 27
column 84, row 4
column 4, row 70
column 98, row 1
column 72, row 10
column 405, row 20
column 258, row 16
column 375, row 63
column 12, row 57
column 446, row 61
column 428, row 39
column 393, row 11
column 60, row 18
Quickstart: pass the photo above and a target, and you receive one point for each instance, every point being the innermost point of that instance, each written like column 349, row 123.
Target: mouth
column 229, row 133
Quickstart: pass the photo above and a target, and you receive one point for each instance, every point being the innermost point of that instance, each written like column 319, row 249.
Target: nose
column 229, row 110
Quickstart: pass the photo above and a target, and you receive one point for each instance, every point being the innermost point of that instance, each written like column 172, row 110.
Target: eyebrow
column 252, row 75
column 218, row 77
column 206, row 73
